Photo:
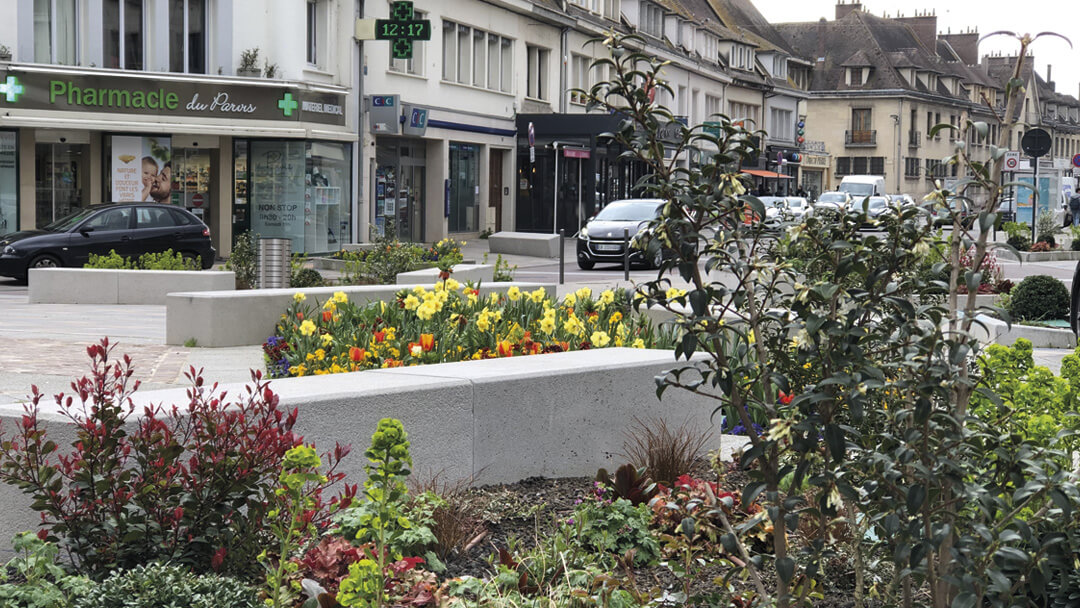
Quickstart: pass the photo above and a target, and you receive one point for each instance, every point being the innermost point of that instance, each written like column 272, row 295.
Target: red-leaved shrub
column 187, row 484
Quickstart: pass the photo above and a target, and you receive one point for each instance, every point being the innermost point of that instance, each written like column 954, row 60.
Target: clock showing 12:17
column 402, row 28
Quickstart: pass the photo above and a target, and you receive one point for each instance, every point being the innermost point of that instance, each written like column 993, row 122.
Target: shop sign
column 576, row 152
column 813, row 146
column 415, row 120
column 163, row 97
column 385, row 114
column 815, row 160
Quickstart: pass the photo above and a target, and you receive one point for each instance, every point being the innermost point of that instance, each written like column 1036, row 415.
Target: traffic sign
column 532, row 134
column 1012, row 160
column 197, row 200
column 1036, row 142
column 1076, row 160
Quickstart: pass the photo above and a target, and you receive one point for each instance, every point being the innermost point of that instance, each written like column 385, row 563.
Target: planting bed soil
column 527, row 511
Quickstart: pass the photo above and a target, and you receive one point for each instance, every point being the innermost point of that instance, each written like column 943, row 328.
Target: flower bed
column 449, row 322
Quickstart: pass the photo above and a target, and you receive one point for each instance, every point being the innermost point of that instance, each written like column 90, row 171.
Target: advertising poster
column 8, row 181
column 141, row 169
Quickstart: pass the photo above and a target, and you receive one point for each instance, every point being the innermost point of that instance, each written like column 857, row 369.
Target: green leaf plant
column 863, row 370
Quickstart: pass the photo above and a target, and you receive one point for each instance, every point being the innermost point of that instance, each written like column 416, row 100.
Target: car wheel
column 44, row 261
column 192, row 259
column 585, row 264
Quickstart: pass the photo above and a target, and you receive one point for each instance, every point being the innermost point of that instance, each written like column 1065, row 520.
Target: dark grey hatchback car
column 130, row 229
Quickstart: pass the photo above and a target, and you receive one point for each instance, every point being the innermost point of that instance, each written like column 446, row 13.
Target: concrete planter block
column 463, row 273
column 499, row 420
column 997, row 331
column 97, row 286
column 1039, row 256
column 525, row 243
column 242, row 318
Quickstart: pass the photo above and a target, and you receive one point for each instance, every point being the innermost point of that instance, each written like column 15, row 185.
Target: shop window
column 537, row 72
column 55, row 32
column 9, row 182
column 415, row 64
column 188, row 36
column 301, row 190
column 312, row 33
column 123, row 34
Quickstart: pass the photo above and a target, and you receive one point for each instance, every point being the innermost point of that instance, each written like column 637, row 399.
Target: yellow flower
column 513, row 293
column 411, row 302
column 639, row 343
column 416, row 350
column 615, row 318
column 299, row 296
column 307, row 327
column 452, row 285
column 427, row 310
column 573, row 325
column 391, row 333
column 607, row 297
column 547, row 324
column 600, row 339
column 538, row 295
column 584, row 293
column 570, row 299
column 494, row 297
column 482, row 323
column 419, row 290
column 340, row 297
column 327, row 339
column 673, row 293
column 320, row 354
column 329, row 305
column 473, row 299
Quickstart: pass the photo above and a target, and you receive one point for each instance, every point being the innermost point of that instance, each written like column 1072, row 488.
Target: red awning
column 766, row 174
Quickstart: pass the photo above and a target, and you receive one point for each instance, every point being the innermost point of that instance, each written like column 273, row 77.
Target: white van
column 862, row 186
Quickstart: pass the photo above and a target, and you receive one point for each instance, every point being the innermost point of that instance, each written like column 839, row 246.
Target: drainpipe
column 564, row 52
column 899, row 140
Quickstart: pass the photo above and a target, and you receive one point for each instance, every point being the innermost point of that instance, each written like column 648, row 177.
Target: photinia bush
column 189, row 484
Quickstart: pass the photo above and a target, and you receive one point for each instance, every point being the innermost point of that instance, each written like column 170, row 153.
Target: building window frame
column 537, row 61
column 54, row 35
column 458, row 67
column 651, row 19
column 122, row 30
column 11, row 224
column 312, row 32
column 186, row 54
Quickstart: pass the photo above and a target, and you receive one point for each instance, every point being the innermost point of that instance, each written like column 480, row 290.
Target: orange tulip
column 327, row 316
column 427, row 341
column 380, row 336
column 357, row 354
column 300, row 316
column 505, row 348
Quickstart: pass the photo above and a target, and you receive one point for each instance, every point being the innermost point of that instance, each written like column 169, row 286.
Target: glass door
column 60, row 180
column 464, row 187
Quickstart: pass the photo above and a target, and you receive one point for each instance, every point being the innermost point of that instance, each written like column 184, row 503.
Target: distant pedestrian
column 1074, row 208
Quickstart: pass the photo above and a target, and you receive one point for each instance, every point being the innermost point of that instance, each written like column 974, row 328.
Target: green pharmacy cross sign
column 402, row 28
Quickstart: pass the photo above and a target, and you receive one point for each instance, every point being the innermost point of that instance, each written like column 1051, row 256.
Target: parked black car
column 129, row 229
column 601, row 240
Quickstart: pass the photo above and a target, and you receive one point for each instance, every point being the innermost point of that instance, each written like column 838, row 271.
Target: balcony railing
column 914, row 139
column 860, row 138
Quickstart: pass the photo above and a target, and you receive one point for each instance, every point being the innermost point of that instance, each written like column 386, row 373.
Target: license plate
column 609, row 247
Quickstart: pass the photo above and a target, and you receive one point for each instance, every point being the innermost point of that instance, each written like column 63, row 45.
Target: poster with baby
column 141, row 169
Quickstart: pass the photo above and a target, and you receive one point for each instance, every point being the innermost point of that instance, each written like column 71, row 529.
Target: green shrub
column 244, row 259
column 1019, row 235
column 41, row 582
column 166, row 260
column 1039, row 297
column 160, row 585
column 615, row 527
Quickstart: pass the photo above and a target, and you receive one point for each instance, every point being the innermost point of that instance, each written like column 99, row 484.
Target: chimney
column 1049, row 79
column 822, row 31
column 843, row 10
column 966, row 45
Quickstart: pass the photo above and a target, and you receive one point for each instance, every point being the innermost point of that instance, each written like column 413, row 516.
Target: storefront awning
column 766, row 174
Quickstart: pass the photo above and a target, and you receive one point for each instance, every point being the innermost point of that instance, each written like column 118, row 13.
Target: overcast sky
column 1020, row 16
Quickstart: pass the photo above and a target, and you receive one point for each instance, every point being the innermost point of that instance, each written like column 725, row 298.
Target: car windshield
column 69, row 221
column 796, row 203
column 877, row 201
column 627, row 211
column 857, row 189
column 832, row 197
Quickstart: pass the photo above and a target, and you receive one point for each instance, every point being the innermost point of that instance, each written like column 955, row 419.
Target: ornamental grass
column 450, row 321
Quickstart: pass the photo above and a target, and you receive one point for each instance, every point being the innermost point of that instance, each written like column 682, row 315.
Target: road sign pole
column 1034, row 200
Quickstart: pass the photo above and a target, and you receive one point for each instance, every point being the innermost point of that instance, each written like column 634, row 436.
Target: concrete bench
column 98, row 286
column 243, row 318
column 499, row 420
column 525, row 243
column 463, row 273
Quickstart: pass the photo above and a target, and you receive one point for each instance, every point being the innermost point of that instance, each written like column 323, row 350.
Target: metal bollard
column 626, row 253
column 562, row 256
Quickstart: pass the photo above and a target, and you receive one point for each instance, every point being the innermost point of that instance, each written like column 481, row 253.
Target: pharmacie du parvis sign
column 128, row 95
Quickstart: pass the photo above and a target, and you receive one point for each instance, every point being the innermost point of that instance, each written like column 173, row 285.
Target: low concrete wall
column 463, row 273
column 1039, row 256
column 499, row 420
column 525, row 243
column 997, row 331
column 242, row 318
column 98, row 286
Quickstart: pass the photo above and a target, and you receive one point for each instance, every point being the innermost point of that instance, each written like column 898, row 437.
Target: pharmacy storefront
column 271, row 157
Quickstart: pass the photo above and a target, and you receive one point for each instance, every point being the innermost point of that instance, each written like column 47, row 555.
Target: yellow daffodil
column 327, row 339
column 473, row 299
column 615, row 318
column 584, row 293
column 513, row 293
column 673, row 293
column 452, row 285
column 600, row 339
column 547, row 325
column 427, row 310
column 307, row 327
column 538, row 295
column 340, row 297
column 419, row 290
column 570, row 300
column 607, row 297
column 411, row 302
column 299, row 296
column 639, row 343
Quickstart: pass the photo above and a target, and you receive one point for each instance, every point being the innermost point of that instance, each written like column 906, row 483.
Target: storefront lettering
column 219, row 104
column 113, row 98
column 322, row 108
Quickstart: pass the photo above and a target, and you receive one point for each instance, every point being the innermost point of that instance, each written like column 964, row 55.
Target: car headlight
column 584, row 232
column 9, row 250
